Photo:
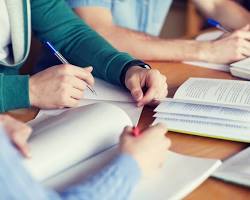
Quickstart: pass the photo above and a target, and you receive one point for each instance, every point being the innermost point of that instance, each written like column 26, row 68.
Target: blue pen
column 216, row 24
column 63, row 60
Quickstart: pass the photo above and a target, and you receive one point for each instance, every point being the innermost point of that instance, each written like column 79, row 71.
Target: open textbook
column 105, row 92
column 209, row 107
column 76, row 143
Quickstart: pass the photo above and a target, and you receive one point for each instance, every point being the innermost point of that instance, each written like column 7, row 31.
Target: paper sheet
column 173, row 181
column 131, row 109
column 243, row 64
column 203, row 111
column 209, row 36
column 66, row 139
column 236, row 169
column 219, row 91
column 106, row 92
column 201, row 127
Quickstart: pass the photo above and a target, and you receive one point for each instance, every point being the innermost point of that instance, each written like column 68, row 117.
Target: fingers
column 157, row 88
column 18, row 133
column 81, row 73
column 71, row 103
column 84, row 74
column 159, row 129
column 134, row 85
column 76, row 94
column 77, row 83
column 127, row 131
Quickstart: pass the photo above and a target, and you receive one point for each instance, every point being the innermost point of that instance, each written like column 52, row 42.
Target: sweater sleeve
column 15, row 182
column 54, row 21
column 14, row 92
column 115, row 181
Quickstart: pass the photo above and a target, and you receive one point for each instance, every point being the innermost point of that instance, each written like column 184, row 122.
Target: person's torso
column 141, row 15
column 17, row 34
column 5, row 31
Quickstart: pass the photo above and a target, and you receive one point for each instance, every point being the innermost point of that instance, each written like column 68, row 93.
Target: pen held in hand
column 64, row 61
column 218, row 25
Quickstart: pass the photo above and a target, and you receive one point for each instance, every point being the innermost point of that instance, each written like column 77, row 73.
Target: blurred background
column 182, row 21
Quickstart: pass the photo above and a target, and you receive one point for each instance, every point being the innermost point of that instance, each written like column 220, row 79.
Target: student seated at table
column 134, row 26
column 138, row 156
column 63, row 85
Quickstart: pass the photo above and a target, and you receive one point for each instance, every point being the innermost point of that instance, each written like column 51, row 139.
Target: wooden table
column 177, row 73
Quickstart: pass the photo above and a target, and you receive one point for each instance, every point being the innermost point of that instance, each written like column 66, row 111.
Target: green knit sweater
column 54, row 21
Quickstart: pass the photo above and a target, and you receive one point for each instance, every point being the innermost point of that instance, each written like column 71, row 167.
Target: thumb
column 89, row 69
column 23, row 148
column 135, row 88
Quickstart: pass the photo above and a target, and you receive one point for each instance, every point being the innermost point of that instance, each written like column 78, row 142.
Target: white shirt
column 4, row 31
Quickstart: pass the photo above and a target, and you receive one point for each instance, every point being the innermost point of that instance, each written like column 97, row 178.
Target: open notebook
column 209, row 107
column 69, row 147
column 106, row 92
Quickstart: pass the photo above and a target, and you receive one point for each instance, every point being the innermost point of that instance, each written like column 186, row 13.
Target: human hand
column 148, row 149
column 18, row 133
column 229, row 48
column 59, row 86
column 155, row 83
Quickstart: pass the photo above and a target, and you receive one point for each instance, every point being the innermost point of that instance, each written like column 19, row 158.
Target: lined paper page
column 204, row 111
column 230, row 92
column 200, row 127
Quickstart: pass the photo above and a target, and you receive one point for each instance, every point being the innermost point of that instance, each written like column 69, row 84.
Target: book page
column 217, row 91
column 205, row 120
column 108, row 92
column 242, row 64
column 203, row 111
column 236, row 169
column 215, row 128
column 131, row 109
column 66, row 139
column 173, row 181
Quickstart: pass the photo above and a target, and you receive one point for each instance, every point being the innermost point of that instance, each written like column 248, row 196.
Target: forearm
column 147, row 47
column 115, row 181
column 227, row 12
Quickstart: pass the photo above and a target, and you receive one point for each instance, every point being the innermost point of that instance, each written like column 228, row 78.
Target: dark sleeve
column 54, row 21
column 14, row 92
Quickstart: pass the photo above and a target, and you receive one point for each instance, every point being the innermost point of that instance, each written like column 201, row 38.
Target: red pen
column 136, row 131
